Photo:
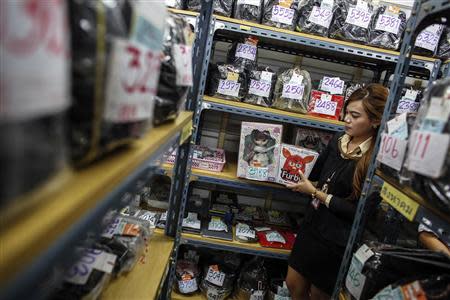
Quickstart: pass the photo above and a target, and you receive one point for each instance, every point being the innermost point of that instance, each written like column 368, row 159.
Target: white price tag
column 259, row 88
column 245, row 231
column 354, row 282
column 228, row 87
column 296, row 79
column 333, row 85
column 266, row 76
column 257, row 295
column 429, row 37
column 427, row 152
column 183, row 63
column 388, row 23
column 34, row 59
column 215, row 276
column 274, row 236
column 282, row 15
column 131, row 82
column 217, row 225
column 257, row 173
column 148, row 216
column 358, row 16
column 246, row 51
column 364, row 253
column 392, row 151
column 411, row 94
column 321, row 16
column 325, row 106
column 250, row 2
column 187, row 286
column 293, row 91
column 407, row 106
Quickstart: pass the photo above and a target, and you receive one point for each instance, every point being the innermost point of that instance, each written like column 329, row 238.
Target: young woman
column 340, row 171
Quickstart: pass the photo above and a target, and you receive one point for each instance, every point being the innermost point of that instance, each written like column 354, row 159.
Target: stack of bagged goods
column 280, row 13
column 315, row 16
column 293, row 161
column 253, row 280
column 220, row 7
column 292, row 90
column 328, row 102
column 187, row 275
column 244, row 54
column 34, row 97
column 427, row 40
column 313, row 139
column 352, row 20
column 115, row 72
column 192, row 223
column 248, row 10
column 444, row 44
column 227, row 82
column 176, row 70
column 259, row 151
column 387, row 27
column 218, row 227
column 429, row 146
column 261, row 86
column 376, row 265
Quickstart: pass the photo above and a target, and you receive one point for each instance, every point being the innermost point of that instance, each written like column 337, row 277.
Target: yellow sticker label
column 186, row 132
column 245, row 27
column 402, row 203
column 285, row 3
column 394, row 9
column 232, row 76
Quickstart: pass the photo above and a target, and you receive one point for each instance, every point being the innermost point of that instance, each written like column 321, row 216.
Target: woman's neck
column 356, row 140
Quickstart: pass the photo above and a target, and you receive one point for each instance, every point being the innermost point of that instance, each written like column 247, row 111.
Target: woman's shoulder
column 335, row 139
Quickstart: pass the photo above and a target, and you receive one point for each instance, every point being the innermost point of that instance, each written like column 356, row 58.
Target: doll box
column 259, row 151
column 204, row 158
column 294, row 160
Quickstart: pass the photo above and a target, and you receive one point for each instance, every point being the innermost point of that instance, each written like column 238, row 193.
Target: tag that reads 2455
column 403, row 204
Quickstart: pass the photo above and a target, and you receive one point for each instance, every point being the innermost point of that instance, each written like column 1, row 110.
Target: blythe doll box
column 294, row 160
column 259, row 151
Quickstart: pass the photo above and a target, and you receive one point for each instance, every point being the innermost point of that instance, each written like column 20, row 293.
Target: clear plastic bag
column 176, row 70
column 227, row 82
column 280, row 13
column 261, row 86
column 34, row 55
column 115, row 71
column 345, row 27
column 248, row 10
column 292, row 90
column 220, row 7
column 253, row 280
column 387, row 27
column 315, row 16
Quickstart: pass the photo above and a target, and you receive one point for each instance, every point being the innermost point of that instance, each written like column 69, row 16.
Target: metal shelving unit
column 47, row 234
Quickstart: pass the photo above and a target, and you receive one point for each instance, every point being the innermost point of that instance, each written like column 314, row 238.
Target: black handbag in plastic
column 178, row 4
column 220, row 7
column 253, row 280
column 315, row 16
column 387, row 27
column 261, row 86
column 248, row 10
column 227, row 82
column 280, row 13
column 244, row 54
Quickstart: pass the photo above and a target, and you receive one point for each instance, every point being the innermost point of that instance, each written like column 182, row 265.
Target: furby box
column 294, row 160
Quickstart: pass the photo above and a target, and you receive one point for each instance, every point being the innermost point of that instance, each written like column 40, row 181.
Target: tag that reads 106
column 293, row 91
column 246, row 51
column 259, row 88
column 228, row 87
column 282, row 14
column 214, row 276
column 321, row 16
column 358, row 16
column 388, row 23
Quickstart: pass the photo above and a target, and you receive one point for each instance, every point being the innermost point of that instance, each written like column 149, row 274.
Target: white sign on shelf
column 282, row 14
column 245, row 231
column 333, row 85
column 259, row 88
column 228, row 87
column 388, row 23
column 407, row 106
column 325, row 106
column 293, row 91
column 214, row 276
column 246, row 51
column 429, row 37
column 358, row 16
column 321, row 16
column 392, row 151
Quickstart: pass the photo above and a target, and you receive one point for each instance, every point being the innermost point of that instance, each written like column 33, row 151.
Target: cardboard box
column 294, row 160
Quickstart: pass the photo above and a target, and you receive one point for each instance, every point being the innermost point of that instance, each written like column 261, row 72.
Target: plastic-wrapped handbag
column 220, row 7
column 280, row 13
column 315, row 16
column 351, row 21
column 261, row 86
column 427, row 40
column 248, row 10
column 253, row 280
column 387, row 27
column 244, row 54
column 292, row 90
column 115, row 71
column 227, row 82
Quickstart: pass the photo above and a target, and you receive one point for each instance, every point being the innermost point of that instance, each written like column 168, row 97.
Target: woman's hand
column 303, row 186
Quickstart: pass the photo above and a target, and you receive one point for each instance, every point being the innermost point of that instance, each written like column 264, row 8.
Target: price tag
column 392, row 151
column 403, row 204
column 333, row 85
column 259, row 88
column 245, row 231
column 325, row 106
column 266, row 76
column 354, row 282
column 150, row 216
column 429, row 37
column 229, row 88
column 407, row 106
column 321, row 16
column 215, row 276
column 131, row 81
column 274, row 236
column 246, row 51
column 183, row 63
column 257, row 173
column 296, row 79
column 364, row 253
column 293, row 91
column 388, row 23
column 187, row 286
column 358, row 16
column 411, row 94
column 282, row 14
column 427, row 152
column 216, row 224
column 257, row 295
column 251, row 2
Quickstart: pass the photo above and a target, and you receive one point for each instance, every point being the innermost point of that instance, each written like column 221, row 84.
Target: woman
column 340, row 171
